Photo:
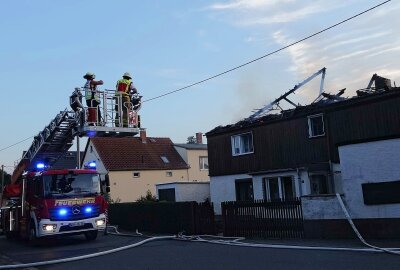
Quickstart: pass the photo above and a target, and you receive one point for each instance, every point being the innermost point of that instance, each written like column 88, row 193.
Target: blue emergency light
column 88, row 209
column 92, row 165
column 62, row 212
column 40, row 166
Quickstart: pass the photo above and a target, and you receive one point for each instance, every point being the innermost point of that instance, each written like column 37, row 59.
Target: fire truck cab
column 55, row 202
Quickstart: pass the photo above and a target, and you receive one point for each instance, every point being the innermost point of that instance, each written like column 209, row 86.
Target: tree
column 148, row 198
column 7, row 177
column 191, row 140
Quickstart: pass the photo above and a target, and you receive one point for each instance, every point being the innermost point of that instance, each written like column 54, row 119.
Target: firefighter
column 92, row 96
column 125, row 88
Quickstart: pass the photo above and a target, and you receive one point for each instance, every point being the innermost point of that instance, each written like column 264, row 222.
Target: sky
column 47, row 46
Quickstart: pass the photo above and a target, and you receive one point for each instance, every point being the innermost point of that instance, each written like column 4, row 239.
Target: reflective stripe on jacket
column 124, row 85
column 90, row 91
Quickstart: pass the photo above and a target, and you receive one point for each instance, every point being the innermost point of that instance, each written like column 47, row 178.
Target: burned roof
column 324, row 102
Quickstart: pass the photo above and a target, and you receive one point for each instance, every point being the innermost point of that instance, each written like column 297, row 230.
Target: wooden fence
column 263, row 219
column 164, row 217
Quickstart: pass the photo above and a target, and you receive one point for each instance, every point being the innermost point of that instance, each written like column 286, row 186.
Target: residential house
column 196, row 156
column 335, row 145
column 136, row 164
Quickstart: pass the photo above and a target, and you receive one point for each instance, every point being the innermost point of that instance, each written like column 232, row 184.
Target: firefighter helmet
column 127, row 74
column 89, row 75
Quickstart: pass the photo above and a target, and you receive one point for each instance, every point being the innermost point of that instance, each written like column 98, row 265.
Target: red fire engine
column 42, row 201
column 54, row 202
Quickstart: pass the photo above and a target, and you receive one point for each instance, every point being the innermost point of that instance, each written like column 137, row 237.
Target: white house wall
column 370, row 162
column 193, row 192
column 337, row 178
column 222, row 189
column 184, row 192
column 92, row 155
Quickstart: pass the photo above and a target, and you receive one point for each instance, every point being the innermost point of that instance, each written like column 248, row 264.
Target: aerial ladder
column 44, row 202
column 81, row 121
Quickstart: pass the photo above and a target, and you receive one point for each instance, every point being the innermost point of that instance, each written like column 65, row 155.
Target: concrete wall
column 187, row 192
column 127, row 188
column 321, row 207
column 370, row 162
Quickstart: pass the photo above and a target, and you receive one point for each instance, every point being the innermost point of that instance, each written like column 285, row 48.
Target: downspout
column 300, row 183
column 330, row 173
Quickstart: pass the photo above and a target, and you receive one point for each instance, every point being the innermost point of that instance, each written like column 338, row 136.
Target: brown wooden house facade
column 295, row 153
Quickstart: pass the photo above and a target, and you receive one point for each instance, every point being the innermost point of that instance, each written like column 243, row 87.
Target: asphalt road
column 188, row 255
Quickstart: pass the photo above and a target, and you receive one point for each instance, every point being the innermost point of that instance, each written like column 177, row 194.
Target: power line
column 268, row 54
column 247, row 63
column 16, row 143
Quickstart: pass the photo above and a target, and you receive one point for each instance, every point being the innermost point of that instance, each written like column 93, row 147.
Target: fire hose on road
column 212, row 239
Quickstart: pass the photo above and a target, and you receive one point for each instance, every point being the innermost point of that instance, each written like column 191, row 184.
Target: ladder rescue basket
column 92, row 115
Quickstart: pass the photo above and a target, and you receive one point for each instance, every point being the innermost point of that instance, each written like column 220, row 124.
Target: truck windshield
column 70, row 185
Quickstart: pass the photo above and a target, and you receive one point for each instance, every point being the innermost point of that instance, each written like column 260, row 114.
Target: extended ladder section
column 116, row 116
column 52, row 142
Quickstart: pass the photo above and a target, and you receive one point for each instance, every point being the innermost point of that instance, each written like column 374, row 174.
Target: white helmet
column 89, row 75
column 127, row 74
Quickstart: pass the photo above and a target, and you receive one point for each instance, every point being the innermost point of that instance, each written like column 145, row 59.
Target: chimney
column 199, row 137
column 143, row 137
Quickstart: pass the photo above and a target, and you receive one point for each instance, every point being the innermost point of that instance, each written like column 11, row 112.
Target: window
column 168, row 174
column 164, row 159
column 316, row 126
column 279, row 188
column 381, row 192
column 319, row 184
column 136, row 174
column 203, row 163
column 242, row 144
column 244, row 190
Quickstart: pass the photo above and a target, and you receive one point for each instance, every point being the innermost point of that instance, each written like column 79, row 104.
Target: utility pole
column 78, row 153
column 2, row 178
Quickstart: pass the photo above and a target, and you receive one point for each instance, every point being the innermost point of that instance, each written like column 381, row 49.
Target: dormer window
column 164, row 159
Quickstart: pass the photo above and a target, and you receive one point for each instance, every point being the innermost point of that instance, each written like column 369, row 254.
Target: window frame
column 281, row 191
column 327, row 183
column 165, row 159
column 200, row 163
column 240, row 144
column 310, row 130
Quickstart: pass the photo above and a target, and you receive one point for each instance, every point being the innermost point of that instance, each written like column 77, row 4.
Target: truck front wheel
column 33, row 240
column 91, row 235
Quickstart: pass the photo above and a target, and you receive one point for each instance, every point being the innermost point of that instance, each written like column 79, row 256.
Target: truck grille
column 75, row 212
column 76, row 228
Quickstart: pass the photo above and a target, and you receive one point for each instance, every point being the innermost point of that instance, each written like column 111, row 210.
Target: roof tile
column 132, row 154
